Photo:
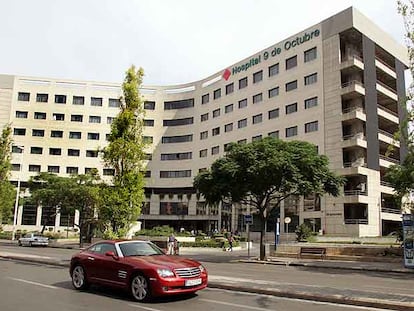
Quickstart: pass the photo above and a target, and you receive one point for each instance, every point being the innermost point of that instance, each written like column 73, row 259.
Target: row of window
column 56, row 169
column 61, row 117
column 55, row 134
column 289, row 132
column 62, row 99
column 273, row 70
column 58, row 151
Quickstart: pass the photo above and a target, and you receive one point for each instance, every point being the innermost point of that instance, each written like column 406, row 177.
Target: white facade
column 336, row 84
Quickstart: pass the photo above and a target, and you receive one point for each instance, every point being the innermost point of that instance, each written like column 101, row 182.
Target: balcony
column 386, row 90
column 388, row 138
column 390, row 210
column 357, row 139
column 387, row 114
column 384, row 67
column 354, row 113
column 356, row 221
column 352, row 60
column 355, row 192
column 352, row 89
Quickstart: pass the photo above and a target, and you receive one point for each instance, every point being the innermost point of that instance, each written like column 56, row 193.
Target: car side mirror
column 111, row 254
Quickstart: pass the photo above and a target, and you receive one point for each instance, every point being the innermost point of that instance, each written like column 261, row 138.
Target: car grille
column 188, row 272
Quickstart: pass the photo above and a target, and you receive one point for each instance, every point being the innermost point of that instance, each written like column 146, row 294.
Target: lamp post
column 16, row 205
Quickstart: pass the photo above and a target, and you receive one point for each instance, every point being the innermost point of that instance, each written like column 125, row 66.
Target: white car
column 33, row 239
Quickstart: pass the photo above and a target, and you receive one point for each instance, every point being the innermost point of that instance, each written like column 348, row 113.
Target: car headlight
column 165, row 273
column 202, row 269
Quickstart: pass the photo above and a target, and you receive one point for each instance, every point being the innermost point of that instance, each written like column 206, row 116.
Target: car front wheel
column 140, row 288
column 79, row 278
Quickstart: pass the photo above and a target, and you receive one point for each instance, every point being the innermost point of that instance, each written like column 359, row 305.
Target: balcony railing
column 385, row 183
column 390, row 210
column 355, row 192
column 354, row 136
column 383, row 157
column 384, row 63
column 391, row 135
column 356, row 221
column 352, row 109
column 352, row 83
column 395, row 114
column 355, row 164
column 389, row 88
column 348, row 57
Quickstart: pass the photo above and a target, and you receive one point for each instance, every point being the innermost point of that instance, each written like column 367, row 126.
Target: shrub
column 303, row 232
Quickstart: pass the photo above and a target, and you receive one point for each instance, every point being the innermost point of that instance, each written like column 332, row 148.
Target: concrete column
column 402, row 102
column 57, row 221
column 39, row 216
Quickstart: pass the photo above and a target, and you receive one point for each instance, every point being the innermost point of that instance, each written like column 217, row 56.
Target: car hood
column 172, row 262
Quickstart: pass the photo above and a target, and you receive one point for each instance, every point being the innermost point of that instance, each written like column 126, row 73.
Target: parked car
column 33, row 239
column 140, row 267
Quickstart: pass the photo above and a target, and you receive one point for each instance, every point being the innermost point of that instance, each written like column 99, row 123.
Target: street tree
column 7, row 192
column 121, row 201
column 264, row 173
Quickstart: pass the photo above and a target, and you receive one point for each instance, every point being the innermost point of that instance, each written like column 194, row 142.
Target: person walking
column 171, row 244
column 231, row 240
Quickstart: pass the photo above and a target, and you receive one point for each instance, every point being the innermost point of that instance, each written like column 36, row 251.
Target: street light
column 16, row 204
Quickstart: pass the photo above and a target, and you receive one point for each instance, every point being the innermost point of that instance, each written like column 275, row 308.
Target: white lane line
column 142, row 307
column 33, row 283
column 234, row 305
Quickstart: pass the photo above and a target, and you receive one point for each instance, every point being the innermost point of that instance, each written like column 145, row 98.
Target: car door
column 90, row 258
column 112, row 269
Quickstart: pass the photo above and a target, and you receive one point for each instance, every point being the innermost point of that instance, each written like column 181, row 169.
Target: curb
column 338, row 299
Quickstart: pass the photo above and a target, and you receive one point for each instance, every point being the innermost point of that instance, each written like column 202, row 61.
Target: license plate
column 193, row 282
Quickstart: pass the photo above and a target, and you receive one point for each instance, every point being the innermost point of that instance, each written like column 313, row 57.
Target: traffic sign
column 248, row 219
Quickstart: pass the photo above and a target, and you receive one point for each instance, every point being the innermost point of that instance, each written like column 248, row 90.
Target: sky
column 174, row 41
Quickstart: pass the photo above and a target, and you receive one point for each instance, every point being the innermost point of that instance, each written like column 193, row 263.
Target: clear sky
column 175, row 41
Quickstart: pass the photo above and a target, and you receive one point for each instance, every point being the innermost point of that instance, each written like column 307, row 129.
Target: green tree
column 121, row 202
column 264, row 173
column 7, row 192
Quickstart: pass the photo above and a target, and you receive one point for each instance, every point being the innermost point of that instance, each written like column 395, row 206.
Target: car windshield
column 140, row 249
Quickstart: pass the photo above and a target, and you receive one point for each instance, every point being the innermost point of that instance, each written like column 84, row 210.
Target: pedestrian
column 171, row 244
column 231, row 240
column 176, row 247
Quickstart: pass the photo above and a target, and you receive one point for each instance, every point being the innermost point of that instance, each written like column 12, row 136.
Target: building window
column 216, row 113
column 228, row 127
column 242, row 83
column 93, row 136
column 291, row 85
column 78, row 100
column 58, row 117
column 36, row 150
column 75, row 135
column 175, row 174
column 96, row 101
column 110, row 120
column 215, row 131
column 108, row 172
column 16, row 149
column 40, row 115
column 228, row 108
column 34, row 168
column 148, row 156
column 114, row 102
column 258, row 76
column 53, row 169
column 204, row 117
column 274, row 134
column 273, row 114
column 15, row 167
column 178, row 122
column 72, row 170
column 73, row 152
column 257, row 137
column 311, row 102
column 229, row 88
column 179, row 104
column 148, row 139
column 242, row 123
column 56, row 134
column 60, row 99
column 311, row 127
column 94, row 119
column 76, row 118
column 291, row 62
column 203, row 153
column 274, row 92
column 176, row 139
column 243, row 103
column 274, row 70
column 205, row 99
column 203, row 135
column 291, row 108
column 55, row 151
column 147, row 174
column 257, row 118
column 23, row 96
column 38, row 133
column 42, row 98
column 148, row 122
column 217, row 94
column 291, row 131
column 21, row 114
column 242, row 141
column 19, row 131
column 149, row 105
column 313, row 78
column 257, row 98
column 215, row 150
column 176, row 156
column 91, row 153
column 310, row 54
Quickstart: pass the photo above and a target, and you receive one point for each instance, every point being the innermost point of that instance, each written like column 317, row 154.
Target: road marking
column 33, row 283
column 233, row 304
column 145, row 308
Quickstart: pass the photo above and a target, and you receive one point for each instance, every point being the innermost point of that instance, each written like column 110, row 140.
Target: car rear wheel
column 79, row 278
column 140, row 288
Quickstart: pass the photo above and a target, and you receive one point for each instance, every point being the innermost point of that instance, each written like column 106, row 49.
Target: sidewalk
column 269, row 287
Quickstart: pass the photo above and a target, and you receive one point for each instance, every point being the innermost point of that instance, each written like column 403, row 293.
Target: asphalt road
column 27, row 286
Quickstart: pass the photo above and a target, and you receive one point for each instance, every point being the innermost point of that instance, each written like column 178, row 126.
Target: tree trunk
column 262, row 237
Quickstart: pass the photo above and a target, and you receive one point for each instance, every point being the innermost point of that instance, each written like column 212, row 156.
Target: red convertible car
column 138, row 266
